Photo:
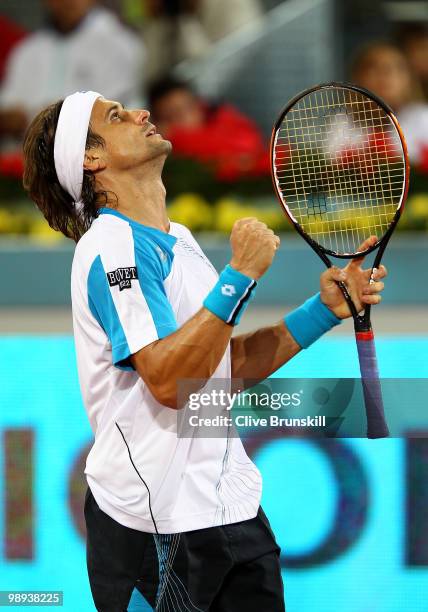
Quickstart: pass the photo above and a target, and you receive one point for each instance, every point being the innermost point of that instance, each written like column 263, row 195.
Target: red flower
column 423, row 160
column 227, row 141
column 382, row 145
column 12, row 165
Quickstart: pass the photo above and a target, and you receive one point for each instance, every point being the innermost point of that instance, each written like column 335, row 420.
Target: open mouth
column 151, row 131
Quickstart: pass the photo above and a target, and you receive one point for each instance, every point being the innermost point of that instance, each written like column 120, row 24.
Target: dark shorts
column 231, row 568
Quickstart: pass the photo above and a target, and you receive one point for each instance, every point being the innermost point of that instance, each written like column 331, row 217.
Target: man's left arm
column 258, row 354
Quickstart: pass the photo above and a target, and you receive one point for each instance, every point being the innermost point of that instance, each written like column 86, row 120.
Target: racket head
column 340, row 168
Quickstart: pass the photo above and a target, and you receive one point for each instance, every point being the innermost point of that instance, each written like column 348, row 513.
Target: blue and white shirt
column 132, row 285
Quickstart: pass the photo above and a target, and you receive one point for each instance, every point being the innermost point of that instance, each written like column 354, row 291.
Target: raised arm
column 260, row 353
column 193, row 351
column 196, row 349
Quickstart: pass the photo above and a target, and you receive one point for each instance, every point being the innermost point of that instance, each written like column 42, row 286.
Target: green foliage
column 11, row 190
column 183, row 175
column 200, row 201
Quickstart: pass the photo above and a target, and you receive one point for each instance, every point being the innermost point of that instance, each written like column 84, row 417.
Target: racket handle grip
column 376, row 424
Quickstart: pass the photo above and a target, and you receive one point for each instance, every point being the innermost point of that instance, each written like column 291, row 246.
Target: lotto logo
column 228, row 290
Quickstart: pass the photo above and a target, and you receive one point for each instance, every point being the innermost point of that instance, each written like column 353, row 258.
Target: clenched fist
column 253, row 247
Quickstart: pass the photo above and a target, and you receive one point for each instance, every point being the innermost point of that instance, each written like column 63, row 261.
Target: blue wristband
column 230, row 296
column 310, row 321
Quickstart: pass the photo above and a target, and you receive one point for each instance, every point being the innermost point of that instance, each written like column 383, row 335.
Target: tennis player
column 178, row 519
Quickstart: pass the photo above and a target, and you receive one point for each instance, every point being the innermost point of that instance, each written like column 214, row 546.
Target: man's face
column 130, row 139
column 385, row 72
column 67, row 13
column 178, row 108
column 417, row 54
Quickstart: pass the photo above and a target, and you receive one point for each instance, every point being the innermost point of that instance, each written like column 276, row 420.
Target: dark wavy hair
column 41, row 181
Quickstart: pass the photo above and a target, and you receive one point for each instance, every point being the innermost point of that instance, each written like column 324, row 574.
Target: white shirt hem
column 190, row 522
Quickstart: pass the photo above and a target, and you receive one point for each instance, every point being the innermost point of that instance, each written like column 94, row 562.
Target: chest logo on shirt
column 162, row 254
column 122, row 277
column 189, row 250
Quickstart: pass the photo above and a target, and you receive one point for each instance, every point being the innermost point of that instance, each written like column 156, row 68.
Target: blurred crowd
column 397, row 71
column 83, row 44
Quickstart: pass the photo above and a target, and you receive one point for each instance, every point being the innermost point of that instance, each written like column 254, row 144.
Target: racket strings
column 339, row 167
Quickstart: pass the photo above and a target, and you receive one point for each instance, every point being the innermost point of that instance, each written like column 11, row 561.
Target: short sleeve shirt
column 133, row 285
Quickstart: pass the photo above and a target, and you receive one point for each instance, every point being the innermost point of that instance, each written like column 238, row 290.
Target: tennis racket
column 340, row 170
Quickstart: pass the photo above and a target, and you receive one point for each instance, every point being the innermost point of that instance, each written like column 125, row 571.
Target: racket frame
column 362, row 322
column 376, row 424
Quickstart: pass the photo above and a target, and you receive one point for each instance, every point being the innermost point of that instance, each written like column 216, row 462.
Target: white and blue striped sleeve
column 128, row 299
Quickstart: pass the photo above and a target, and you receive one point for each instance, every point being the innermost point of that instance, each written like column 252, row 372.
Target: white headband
column 70, row 141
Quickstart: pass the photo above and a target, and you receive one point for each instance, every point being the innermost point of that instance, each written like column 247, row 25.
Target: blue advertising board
column 349, row 514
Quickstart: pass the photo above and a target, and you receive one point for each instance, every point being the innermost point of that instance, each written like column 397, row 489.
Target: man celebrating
column 177, row 518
